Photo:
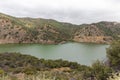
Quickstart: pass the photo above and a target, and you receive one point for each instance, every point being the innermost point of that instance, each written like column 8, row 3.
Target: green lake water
column 82, row 53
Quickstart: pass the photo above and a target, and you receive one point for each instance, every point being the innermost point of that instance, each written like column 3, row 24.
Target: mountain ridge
column 49, row 31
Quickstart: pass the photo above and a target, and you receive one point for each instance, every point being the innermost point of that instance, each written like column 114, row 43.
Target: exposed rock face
column 91, row 34
column 10, row 33
column 16, row 33
column 91, row 30
column 93, row 39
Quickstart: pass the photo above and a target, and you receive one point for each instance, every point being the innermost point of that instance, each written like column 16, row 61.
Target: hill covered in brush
column 48, row 31
column 16, row 66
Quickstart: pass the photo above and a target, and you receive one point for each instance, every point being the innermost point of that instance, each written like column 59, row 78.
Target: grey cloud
column 76, row 16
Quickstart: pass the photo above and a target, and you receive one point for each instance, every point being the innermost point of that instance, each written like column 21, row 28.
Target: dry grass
column 115, row 76
column 22, row 76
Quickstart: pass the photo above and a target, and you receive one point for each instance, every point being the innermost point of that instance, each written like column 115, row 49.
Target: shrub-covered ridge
column 48, row 31
column 14, row 64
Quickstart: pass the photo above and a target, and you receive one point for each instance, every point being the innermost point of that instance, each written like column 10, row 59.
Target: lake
column 82, row 53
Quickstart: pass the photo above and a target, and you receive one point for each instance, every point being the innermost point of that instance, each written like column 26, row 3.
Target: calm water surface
column 78, row 52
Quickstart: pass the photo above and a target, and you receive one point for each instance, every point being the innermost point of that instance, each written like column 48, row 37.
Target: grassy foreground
column 16, row 66
column 22, row 76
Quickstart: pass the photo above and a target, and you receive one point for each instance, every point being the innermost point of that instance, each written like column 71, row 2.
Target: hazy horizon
column 70, row 11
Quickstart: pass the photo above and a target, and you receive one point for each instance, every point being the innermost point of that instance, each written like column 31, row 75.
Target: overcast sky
column 74, row 11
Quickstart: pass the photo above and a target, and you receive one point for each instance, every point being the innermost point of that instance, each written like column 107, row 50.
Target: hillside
column 48, row 31
column 16, row 66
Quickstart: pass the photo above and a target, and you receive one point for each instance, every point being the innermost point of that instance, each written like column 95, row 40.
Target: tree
column 113, row 54
column 100, row 71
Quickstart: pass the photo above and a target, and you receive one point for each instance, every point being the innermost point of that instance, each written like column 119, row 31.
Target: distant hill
column 102, row 32
column 48, row 31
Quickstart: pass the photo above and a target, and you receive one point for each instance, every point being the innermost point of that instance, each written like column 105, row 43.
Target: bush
column 100, row 70
column 1, row 72
column 113, row 54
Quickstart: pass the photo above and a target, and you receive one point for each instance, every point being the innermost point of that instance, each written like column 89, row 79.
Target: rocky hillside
column 48, row 31
column 102, row 32
column 27, row 30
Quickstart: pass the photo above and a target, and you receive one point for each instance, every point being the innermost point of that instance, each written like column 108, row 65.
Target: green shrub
column 1, row 71
column 113, row 54
column 100, row 70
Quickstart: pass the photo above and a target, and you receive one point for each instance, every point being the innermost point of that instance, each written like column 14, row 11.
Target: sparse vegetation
column 15, row 63
column 48, row 31
column 113, row 54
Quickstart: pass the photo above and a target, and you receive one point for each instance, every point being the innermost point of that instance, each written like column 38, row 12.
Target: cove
column 83, row 53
